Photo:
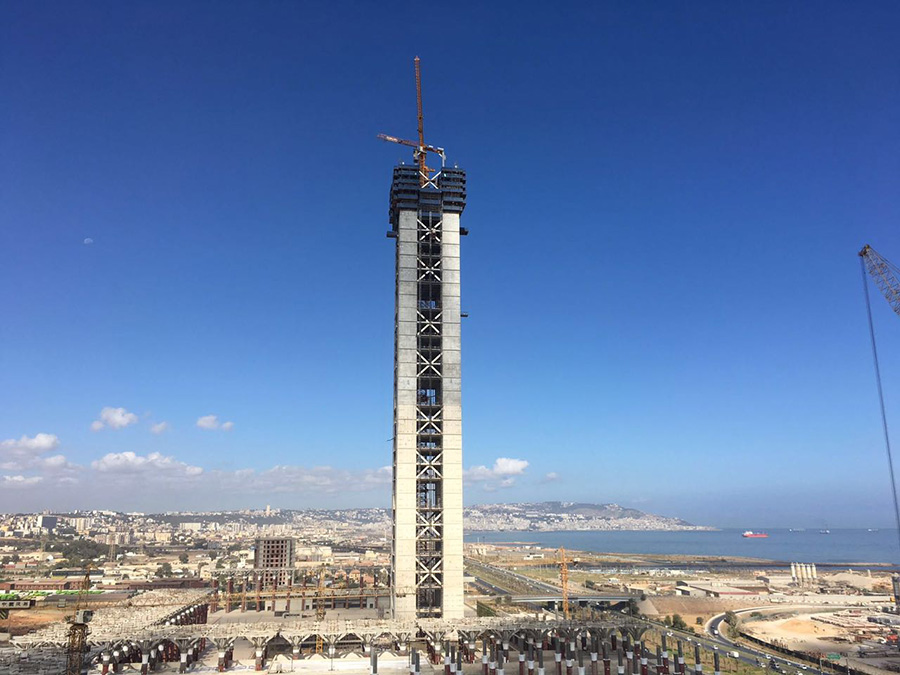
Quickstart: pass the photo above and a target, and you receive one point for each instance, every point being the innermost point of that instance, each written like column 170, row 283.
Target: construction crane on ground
column 78, row 631
column 564, row 580
column 421, row 147
column 886, row 276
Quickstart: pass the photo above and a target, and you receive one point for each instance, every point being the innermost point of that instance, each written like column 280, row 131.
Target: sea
column 839, row 546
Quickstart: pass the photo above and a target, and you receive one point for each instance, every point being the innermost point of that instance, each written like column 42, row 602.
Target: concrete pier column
column 259, row 658
column 183, row 666
column 145, row 662
column 620, row 668
column 484, row 658
column 540, row 661
column 606, row 663
column 665, row 655
column 643, row 652
column 698, row 666
column 594, row 658
column 716, row 663
column 521, row 662
column 680, row 662
column 221, row 664
column 105, row 658
column 557, row 655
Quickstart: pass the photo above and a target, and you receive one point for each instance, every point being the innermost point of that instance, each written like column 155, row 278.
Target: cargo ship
column 749, row 534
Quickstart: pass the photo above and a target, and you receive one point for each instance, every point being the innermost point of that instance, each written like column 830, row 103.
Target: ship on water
column 750, row 534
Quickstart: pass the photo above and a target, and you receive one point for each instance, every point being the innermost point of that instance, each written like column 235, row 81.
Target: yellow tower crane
column 564, row 580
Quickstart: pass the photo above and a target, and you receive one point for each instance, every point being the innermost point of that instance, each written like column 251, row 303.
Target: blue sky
column 665, row 205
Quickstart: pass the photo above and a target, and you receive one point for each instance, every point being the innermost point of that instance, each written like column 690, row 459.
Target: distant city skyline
column 664, row 299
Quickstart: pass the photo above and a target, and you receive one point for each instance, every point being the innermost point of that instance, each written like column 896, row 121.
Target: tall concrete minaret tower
column 427, row 560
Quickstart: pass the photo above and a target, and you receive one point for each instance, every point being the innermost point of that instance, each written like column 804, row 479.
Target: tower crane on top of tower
column 421, row 148
column 885, row 274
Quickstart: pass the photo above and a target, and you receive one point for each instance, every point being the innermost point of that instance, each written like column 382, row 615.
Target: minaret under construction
column 427, row 552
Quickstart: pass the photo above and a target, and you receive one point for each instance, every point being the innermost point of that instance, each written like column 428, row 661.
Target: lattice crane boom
column 885, row 274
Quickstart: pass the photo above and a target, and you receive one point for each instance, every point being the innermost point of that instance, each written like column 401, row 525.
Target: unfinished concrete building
column 273, row 561
column 427, row 555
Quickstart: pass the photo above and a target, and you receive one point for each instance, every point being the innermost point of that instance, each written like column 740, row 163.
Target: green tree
column 183, row 558
column 699, row 620
column 678, row 623
column 164, row 570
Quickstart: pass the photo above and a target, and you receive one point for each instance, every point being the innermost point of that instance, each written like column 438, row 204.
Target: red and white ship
column 749, row 534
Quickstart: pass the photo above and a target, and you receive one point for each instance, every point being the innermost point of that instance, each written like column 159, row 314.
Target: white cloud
column 150, row 465
column 160, row 428
column 25, row 452
column 501, row 474
column 211, row 423
column 19, row 482
column 550, row 477
column 114, row 418
column 208, row 422
column 36, row 445
column 88, row 241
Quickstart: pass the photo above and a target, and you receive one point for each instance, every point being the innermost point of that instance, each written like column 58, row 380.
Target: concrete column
column 698, row 665
column 105, row 658
column 716, row 670
column 259, row 658
column 145, row 662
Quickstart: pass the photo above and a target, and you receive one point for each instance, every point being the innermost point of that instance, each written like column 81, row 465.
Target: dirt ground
column 22, row 621
column 799, row 632
column 691, row 608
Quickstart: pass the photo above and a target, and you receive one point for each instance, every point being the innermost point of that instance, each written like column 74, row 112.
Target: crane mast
column 78, row 631
column 564, row 580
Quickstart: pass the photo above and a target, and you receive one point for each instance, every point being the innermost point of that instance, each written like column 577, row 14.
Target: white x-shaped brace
column 428, row 325
column 433, row 568
column 435, row 417
column 430, row 232
column 430, row 472
column 430, row 181
column 426, row 271
column 430, row 368
column 431, row 518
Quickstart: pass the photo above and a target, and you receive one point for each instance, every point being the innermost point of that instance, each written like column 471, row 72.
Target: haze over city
column 663, row 294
